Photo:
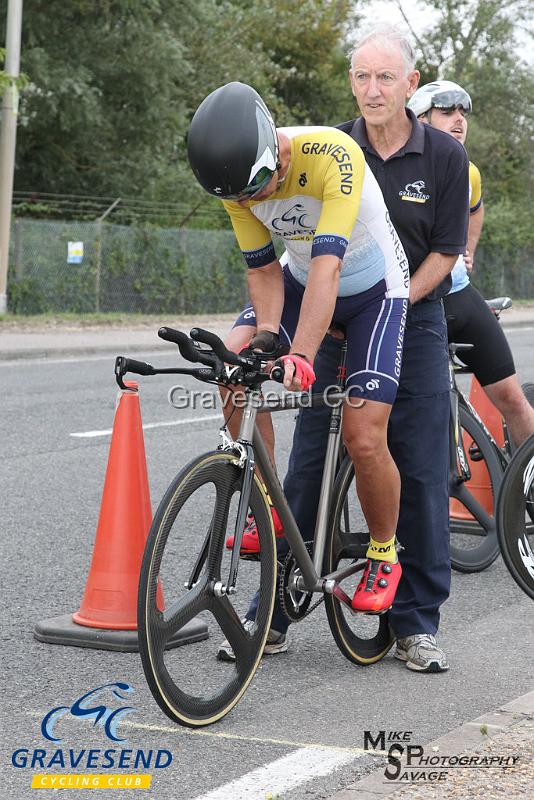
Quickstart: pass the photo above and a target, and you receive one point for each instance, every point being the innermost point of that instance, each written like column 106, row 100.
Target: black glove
column 267, row 342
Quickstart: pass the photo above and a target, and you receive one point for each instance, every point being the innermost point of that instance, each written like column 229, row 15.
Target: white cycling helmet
column 439, row 94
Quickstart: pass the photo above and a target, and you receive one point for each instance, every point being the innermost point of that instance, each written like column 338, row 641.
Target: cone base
column 62, row 630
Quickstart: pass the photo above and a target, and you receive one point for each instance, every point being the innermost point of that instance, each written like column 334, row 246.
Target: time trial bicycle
column 185, row 548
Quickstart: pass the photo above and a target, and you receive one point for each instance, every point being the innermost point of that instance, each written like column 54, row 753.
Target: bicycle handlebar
column 218, row 346
column 277, row 374
column 249, row 370
column 185, row 345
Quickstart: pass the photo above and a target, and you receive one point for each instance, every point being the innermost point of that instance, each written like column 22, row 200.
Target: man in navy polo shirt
column 423, row 174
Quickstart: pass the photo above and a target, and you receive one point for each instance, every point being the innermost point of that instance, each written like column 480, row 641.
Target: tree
column 114, row 84
column 477, row 44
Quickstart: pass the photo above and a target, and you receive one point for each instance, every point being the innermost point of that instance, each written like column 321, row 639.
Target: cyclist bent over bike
column 344, row 264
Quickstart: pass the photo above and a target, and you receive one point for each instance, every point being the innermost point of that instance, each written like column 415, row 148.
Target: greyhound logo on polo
column 413, row 192
column 101, row 714
column 293, row 221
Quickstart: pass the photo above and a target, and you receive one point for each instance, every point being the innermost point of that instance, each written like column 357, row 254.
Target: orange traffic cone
column 109, row 604
column 110, row 598
column 480, row 484
column 487, row 412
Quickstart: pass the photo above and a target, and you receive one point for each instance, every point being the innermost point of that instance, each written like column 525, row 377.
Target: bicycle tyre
column 357, row 649
column 483, row 526
column 217, row 472
column 512, row 506
column 528, row 391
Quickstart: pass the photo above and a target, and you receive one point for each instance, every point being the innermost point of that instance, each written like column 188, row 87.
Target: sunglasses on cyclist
column 453, row 98
column 256, row 185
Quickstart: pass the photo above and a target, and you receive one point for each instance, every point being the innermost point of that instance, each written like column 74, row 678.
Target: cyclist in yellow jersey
column 344, row 263
column 445, row 105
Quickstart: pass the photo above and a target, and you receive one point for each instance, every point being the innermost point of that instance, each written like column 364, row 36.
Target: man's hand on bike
column 298, row 372
column 266, row 342
column 468, row 260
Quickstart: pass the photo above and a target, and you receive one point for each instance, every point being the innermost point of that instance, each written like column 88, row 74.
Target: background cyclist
column 445, row 105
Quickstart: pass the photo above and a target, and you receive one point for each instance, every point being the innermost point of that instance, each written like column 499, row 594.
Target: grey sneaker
column 276, row 643
column 421, row 653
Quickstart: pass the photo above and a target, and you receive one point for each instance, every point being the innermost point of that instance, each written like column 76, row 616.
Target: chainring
column 296, row 604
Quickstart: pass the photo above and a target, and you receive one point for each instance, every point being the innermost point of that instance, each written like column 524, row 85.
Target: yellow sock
column 382, row 551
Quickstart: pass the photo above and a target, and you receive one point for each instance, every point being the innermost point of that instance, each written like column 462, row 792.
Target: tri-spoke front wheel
column 185, row 554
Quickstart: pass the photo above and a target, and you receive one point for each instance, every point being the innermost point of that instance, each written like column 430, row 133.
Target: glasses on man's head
column 260, row 180
column 451, row 99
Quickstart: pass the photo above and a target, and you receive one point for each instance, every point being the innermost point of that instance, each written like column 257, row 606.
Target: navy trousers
column 418, row 439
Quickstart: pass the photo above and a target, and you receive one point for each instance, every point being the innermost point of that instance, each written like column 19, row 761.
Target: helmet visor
column 257, row 184
column 452, row 98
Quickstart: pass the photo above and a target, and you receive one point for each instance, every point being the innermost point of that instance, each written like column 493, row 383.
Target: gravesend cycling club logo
column 293, row 222
column 100, row 714
column 102, row 709
column 414, row 192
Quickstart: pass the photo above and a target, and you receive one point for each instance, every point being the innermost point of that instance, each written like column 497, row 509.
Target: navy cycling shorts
column 374, row 327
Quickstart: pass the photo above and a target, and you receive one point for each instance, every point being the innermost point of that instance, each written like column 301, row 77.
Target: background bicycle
column 515, row 517
column 480, row 453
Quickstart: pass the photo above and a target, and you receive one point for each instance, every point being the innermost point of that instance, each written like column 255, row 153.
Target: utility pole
column 8, row 136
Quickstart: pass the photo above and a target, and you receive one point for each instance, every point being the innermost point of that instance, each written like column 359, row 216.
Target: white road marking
column 146, row 426
column 281, row 775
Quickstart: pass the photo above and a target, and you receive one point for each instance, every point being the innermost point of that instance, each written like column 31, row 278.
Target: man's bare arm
column 432, row 271
column 476, row 220
column 317, row 305
column 266, row 291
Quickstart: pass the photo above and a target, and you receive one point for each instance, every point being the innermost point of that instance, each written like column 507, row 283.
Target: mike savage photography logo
column 104, row 709
column 409, row 763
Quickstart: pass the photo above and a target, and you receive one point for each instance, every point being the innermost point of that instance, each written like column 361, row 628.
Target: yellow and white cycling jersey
column 329, row 203
column 459, row 274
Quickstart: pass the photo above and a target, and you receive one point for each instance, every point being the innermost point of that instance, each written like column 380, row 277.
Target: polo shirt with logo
column 426, row 189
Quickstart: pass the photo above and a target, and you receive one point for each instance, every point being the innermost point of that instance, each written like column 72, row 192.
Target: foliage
column 113, row 85
column 477, row 43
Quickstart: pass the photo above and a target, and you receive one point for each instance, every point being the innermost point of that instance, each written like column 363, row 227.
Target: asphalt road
column 51, row 488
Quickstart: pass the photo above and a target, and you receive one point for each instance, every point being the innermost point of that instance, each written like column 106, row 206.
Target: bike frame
column 254, row 452
column 456, row 451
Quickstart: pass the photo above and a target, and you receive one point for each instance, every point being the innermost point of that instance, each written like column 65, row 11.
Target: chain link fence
column 141, row 269
column 152, row 270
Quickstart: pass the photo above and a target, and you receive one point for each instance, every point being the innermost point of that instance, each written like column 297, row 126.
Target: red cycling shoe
column 378, row 586
column 250, row 543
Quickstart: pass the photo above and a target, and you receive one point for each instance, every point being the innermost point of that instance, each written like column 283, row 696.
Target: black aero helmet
column 232, row 144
